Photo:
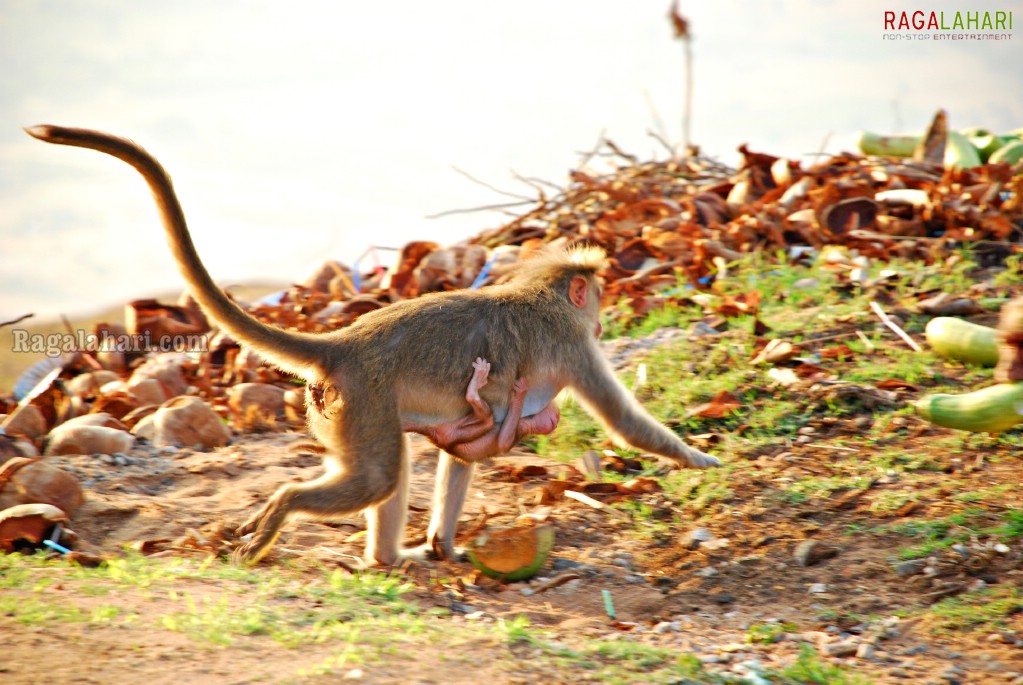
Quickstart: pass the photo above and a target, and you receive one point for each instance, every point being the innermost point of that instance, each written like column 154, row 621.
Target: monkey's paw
column 702, row 460
column 427, row 552
column 253, row 549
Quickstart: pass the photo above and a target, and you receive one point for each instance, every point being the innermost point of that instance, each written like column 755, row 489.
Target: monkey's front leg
column 449, row 492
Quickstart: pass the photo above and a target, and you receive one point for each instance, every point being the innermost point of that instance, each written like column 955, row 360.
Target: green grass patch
column 986, row 610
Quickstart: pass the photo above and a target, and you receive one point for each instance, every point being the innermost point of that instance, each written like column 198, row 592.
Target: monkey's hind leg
column 385, row 522
column 366, row 470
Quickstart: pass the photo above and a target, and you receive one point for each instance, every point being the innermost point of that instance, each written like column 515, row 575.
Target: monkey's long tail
column 294, row 352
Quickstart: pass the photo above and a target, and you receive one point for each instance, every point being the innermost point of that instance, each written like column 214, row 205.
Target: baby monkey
column 477, row 436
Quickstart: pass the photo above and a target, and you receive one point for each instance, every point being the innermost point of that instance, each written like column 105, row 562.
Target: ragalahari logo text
column 942, row 25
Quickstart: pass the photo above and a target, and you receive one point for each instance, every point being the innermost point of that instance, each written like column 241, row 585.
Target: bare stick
column 596, row 504
column 894, row 326
column 680, row 25
column 482, row 208
column 14, row 321
column 490, row 187
column 587, row 156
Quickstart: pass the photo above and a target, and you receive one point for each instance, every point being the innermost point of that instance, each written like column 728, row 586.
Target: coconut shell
column 512, row 554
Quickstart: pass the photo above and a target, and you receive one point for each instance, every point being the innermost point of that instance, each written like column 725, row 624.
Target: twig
column 661, row 139
column 587, row 156
column 660, row 133
column 894, row 326
column 18, row 320
column 536, row 182
column 481, row 208
column 869, row 345
column 632, row 159
column 831, row 447
column 596, row 504
column 490, row 187
column 680, row 25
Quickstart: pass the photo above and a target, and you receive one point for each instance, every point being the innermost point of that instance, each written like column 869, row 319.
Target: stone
column 911, row 567
column 812, row 552
column 842, row 648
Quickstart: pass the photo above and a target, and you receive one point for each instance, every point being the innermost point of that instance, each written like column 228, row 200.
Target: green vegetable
column 959, row 152
column 963, row 341
column 992, row 410
column 1011, row 153
column 887, row 146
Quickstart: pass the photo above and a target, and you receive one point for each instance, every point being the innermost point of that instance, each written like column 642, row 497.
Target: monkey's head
column 566, row 273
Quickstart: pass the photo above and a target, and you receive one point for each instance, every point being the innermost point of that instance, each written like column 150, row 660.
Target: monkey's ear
column 577, row 291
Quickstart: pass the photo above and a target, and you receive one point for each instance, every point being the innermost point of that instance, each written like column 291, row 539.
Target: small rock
column 911, row 567
column 708, row 572
column 962, row 550
column 693, row 538
column 818, row 588
column 622, row 563
column 865, row 651
column 805, row 284
column 561, row 564
column 811, row 552
column 1001, row 548
column 1002, row 638
column 462, row 608
column 668, row 627
column 714, row 658
column 842, row 648
column 952, row 674
column 701, row 328
column 715, row 544
column 723, row 598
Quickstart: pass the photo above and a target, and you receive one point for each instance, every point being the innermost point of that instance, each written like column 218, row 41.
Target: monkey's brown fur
column 1010, row 342
column 408, row 362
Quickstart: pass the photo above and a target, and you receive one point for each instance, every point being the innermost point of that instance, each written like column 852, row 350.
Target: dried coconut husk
column 161, row 322
column 25, row 420
column 166, row 368
column 187, row 421
column 267, row 400
column 28, row 522
column 34, row 480
column 79, row 439
column 90, row 384
column 148, row 391
column 96, row 419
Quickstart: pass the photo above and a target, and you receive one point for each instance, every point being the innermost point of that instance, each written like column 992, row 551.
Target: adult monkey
column 405, row 364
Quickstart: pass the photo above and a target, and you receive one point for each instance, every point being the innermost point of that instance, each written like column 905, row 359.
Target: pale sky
column 300, row 131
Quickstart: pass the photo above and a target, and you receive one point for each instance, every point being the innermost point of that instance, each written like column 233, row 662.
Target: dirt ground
column 697, row 597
